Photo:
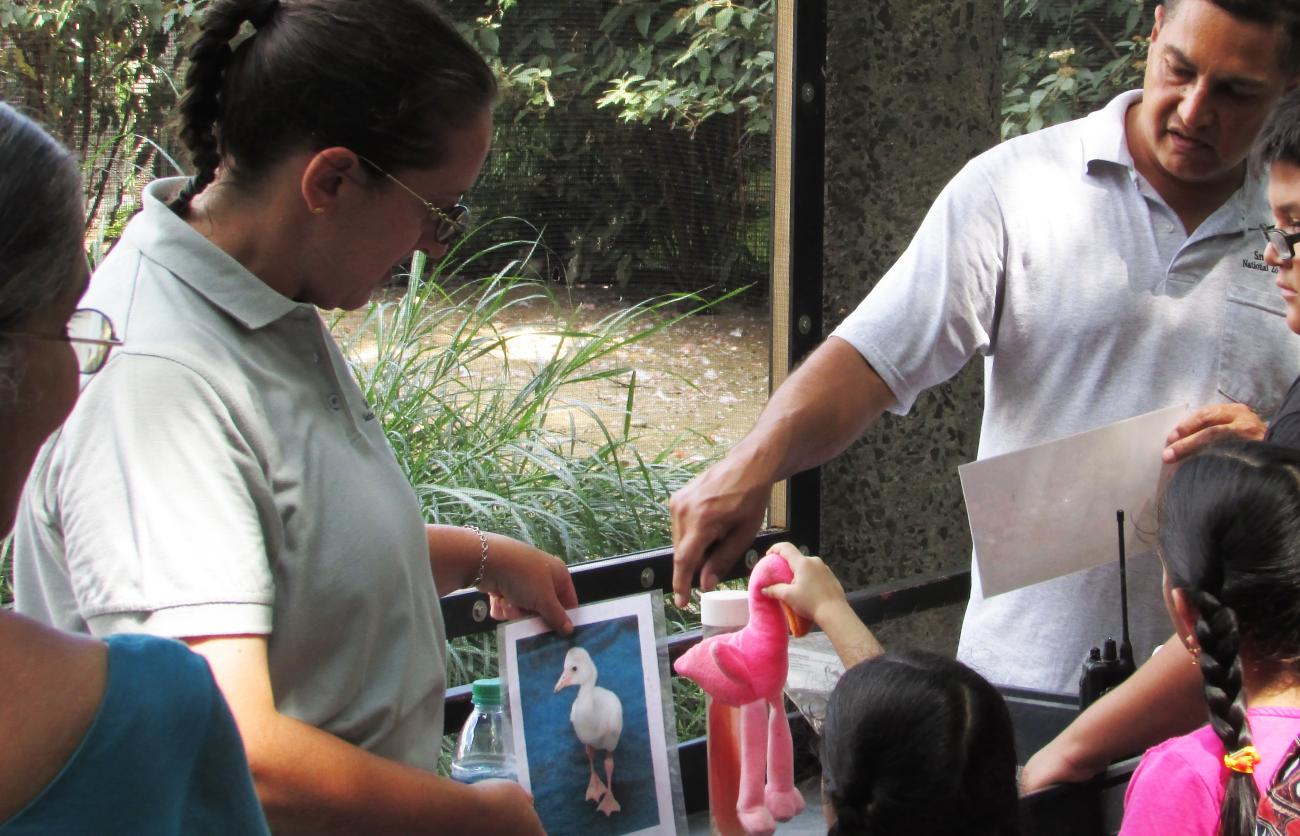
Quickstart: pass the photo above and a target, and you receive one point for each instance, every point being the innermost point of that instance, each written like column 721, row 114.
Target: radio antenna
column 1125, row 647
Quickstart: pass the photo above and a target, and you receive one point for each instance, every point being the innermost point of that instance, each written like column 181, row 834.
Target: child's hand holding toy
column 817, row 595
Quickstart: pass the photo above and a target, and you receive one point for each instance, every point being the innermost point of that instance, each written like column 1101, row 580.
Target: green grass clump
column 487, row 440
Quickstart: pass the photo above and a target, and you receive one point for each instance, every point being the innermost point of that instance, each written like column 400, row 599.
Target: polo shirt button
column 334, row 402
column 315, row 358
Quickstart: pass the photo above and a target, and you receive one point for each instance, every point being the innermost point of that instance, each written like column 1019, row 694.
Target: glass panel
column 631, row 161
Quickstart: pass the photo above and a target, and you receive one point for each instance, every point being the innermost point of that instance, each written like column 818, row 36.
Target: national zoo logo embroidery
column 1256, row 262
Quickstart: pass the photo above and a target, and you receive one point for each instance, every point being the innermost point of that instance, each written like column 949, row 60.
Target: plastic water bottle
column 485, row 748
column 723, row 611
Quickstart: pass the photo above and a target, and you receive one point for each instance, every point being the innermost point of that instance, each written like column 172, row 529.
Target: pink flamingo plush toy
column 748, row 669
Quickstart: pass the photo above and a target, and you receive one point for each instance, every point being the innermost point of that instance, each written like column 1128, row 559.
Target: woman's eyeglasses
column 449, row 224
column 91, row 334
column 1283, row 242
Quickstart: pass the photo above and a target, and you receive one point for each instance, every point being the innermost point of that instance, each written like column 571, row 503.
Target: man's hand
column 812, row 417
column 715, row 518
column 1209, row 424
column 1053, row 764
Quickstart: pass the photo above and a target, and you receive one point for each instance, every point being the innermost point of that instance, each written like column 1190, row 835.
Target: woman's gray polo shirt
column 1054, row 260
column 223, row 475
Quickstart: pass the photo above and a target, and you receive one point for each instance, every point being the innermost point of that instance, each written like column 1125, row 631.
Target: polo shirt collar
column 1103, row 132
column 207, row 269
column 1104, row 141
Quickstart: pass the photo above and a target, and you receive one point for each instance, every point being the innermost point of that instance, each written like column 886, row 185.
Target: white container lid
column 724, row 608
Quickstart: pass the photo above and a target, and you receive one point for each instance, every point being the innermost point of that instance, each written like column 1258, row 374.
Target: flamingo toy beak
column 563, row 683
column 799, row 626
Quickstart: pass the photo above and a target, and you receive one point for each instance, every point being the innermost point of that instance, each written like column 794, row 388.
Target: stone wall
column 912, row 93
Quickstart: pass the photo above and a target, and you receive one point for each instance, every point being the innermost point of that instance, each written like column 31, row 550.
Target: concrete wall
column 912, row 93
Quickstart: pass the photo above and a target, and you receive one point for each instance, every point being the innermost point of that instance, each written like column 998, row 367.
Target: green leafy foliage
column 6, row 571
column 637, row 132
column 99, row 74
column 1062, row 60
column 483, row 436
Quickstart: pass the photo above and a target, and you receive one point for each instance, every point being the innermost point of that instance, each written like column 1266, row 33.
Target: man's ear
column 1160, row 20
column 325, row 175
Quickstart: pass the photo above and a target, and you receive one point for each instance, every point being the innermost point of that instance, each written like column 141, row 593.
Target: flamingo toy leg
column 609, row 804
column 783, row 800
column 750, row 806
column 595, row 789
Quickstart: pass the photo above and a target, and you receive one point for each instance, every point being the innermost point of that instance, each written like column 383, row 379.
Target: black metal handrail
column 627, row 575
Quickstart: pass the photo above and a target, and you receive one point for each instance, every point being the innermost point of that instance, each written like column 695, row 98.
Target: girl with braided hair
column 223, row 480
column 1230, row 545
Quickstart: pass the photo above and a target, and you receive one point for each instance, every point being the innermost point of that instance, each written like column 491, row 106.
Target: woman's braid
column 200, row 107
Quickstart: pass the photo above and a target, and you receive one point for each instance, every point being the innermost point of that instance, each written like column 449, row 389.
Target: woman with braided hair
column 223, row 481
column 1230, row 545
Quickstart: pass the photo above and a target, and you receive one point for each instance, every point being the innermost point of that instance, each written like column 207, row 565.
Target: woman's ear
column 324, row 177
column 1185, row 616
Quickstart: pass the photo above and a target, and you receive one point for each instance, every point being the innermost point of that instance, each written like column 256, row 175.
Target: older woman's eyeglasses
column 1283, row 242
column 91, row 334
column 449, row 224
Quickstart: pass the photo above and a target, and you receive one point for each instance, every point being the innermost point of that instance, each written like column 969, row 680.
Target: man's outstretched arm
column 830, row 400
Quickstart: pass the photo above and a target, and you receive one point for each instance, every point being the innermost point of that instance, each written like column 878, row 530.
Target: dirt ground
column 700, row 383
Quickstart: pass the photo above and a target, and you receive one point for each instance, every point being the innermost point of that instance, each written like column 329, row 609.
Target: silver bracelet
column 482, row 554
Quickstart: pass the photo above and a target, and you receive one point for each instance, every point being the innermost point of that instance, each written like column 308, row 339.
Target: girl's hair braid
column 1220, row 662
column 1230, row 540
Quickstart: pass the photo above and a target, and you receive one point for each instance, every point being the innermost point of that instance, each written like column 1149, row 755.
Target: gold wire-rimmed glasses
column 449, row 224
column 91, row 334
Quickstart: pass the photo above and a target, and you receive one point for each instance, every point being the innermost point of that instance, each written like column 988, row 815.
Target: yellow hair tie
column 1243, row 760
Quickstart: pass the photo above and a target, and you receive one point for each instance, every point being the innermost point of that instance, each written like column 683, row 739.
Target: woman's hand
column 521, row 580
column 505, row 807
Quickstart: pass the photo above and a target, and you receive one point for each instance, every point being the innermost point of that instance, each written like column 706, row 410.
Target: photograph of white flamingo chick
column 597, row 718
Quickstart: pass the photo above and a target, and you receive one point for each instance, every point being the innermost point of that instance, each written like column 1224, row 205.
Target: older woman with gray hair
column 127, row 735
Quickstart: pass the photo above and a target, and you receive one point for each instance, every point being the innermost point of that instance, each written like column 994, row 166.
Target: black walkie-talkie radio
column 1109, row 665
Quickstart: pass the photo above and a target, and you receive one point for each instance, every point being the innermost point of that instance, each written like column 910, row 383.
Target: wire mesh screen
column 636, row 136
column 1062, row 59
column 633, row 148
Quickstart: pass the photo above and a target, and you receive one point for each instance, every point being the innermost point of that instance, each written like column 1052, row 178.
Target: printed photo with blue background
column 557, row 762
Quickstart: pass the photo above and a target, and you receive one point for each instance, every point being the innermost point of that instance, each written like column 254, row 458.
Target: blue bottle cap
column 487, row 691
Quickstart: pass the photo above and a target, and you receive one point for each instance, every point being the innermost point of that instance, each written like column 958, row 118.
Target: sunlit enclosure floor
column 699, row 383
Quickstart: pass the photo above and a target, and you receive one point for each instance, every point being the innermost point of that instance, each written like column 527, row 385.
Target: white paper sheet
column 1045, row 511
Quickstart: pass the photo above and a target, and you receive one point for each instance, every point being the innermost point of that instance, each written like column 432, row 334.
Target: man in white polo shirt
column 1102, row 269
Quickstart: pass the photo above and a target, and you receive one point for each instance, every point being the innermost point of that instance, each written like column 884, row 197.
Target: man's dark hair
column 1279, row 139
column 1283, row 13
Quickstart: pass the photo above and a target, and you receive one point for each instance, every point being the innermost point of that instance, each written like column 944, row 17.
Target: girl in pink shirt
column 1230, row 545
